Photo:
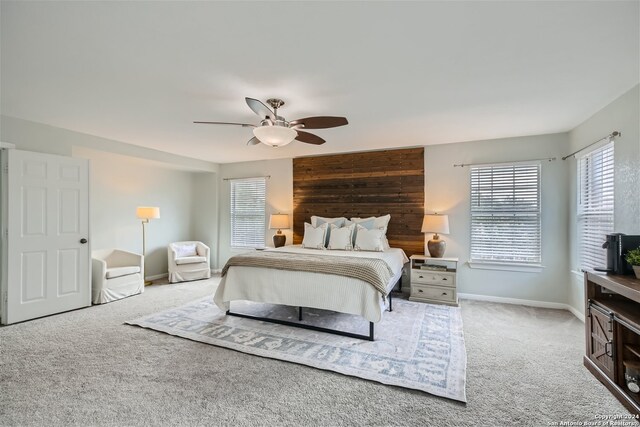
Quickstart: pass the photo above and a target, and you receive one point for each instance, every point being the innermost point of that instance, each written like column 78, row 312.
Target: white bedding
column 306, row 289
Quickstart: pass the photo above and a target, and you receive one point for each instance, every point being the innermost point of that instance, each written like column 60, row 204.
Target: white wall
column 204, row 212
column 622, row 115
column 279, row 198
column 123, row 177
column 447, row 191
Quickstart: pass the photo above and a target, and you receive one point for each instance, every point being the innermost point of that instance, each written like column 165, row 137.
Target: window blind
column 248, row 212
column 595, row 205
column 505, row 214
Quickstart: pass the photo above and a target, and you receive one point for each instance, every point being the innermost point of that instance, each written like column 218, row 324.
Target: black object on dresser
column 612, row 326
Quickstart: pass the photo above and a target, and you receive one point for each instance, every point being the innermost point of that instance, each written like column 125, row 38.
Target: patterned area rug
column 417, row 346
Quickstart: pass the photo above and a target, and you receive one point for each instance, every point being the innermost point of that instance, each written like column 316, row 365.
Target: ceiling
column 404, row 74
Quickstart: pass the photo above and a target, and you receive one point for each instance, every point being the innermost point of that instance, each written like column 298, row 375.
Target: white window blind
column 505, row 214
column 595, row 205
column 248, row 212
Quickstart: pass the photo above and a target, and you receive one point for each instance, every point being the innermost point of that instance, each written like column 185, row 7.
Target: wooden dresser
column 612, row 325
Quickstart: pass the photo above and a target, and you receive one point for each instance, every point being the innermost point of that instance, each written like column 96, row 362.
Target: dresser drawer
column 433, row 278
column 437, row 293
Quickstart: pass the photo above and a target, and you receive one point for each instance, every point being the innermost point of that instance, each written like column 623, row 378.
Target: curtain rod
column 461, row 165
column 247, row 177
column 610, row 137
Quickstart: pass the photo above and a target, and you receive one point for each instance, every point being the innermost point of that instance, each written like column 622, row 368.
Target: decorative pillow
column 337, row 221
column 317, row 220
column 341, row 237
column 378, row 222
column 367, row 223
column 369, row 240
column 314, row 237
column 185, row 250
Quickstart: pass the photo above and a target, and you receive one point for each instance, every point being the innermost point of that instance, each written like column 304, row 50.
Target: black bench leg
column 300, row 314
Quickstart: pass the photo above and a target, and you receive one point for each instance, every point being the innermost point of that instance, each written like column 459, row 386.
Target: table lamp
column 279, row 221
column 435, row 223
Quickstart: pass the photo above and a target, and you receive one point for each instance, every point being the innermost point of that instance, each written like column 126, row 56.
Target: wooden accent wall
column 363, row 185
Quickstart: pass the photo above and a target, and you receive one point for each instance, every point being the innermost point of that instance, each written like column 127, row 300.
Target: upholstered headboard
column 363, row 185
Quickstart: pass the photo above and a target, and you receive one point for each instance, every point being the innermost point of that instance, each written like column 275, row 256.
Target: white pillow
column 317, row 220
column 341, row 237
column 369, row 240
column 378, row 222
column 314, row 237
column 186, row 249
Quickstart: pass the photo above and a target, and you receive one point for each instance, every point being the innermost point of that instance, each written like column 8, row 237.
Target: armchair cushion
column 185, row 250
column 190, row 260
column 112, row 273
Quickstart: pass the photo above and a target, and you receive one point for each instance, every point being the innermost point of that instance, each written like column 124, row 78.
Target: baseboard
column 157, row 276
column 527, row 302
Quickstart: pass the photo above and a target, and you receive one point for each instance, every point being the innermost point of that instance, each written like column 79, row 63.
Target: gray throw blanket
column 371, row 270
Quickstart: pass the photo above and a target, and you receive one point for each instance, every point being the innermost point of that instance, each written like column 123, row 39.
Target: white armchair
column 188, row 261
column 115, row 274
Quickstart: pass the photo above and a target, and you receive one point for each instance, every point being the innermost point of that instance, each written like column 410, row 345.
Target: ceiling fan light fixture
column 275, row 136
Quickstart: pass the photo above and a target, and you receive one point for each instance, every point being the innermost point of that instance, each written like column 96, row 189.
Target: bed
column 314, row 289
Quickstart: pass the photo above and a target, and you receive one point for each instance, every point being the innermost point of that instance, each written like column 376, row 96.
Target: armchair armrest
column 203, row 250
column 98, row 268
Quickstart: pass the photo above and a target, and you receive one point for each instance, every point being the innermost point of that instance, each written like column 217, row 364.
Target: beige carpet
column 87, row 368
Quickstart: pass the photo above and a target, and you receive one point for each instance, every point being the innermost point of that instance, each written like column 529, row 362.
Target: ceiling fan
column 276, row 131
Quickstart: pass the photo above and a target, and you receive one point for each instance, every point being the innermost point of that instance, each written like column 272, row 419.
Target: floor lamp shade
column 435, row 223
column 148, row 212
column 279, row 221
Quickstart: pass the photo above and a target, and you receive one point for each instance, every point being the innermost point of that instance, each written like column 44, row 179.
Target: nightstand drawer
column 433, row 293
column 433, row 278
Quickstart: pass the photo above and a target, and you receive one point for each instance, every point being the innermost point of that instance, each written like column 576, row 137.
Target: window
column 505, row 214
column 595, row 205
column 248, row 212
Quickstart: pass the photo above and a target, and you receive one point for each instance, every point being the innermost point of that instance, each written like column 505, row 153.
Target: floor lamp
column 145, row 213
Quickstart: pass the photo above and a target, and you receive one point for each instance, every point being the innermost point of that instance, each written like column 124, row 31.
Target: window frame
column 505, row 264
column 232, row 216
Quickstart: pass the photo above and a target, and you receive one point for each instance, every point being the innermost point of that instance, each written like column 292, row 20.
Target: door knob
column 83, row 240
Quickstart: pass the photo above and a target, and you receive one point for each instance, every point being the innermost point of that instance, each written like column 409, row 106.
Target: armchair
column 188, row 261
column 115, row 274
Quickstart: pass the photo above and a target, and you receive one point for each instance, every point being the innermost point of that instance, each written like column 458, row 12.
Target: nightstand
column 434, row 280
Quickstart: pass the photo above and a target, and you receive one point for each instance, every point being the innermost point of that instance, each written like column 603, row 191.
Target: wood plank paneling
column 362, row 185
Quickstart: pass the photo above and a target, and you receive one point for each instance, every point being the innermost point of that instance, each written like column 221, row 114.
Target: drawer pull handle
column 421, row 277
column 444, row 278
column 444, row 294
column 420, row 290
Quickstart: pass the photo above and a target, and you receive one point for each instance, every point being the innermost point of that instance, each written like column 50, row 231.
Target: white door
column 47, row 222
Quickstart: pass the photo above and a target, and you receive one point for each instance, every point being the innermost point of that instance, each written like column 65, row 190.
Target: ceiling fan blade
column 309, row 138
column 253, row 141
column 260, row 109
column 321, row 122
column 244, row 125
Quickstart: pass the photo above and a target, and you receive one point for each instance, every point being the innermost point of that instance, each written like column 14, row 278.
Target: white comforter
column 306, row 289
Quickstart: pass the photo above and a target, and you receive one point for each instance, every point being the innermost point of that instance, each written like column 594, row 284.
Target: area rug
column 417, row 346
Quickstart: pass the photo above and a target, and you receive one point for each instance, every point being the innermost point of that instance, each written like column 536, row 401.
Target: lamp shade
column 148, row 212
column 276, row 136
column 434, row 223
column 278, row 221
